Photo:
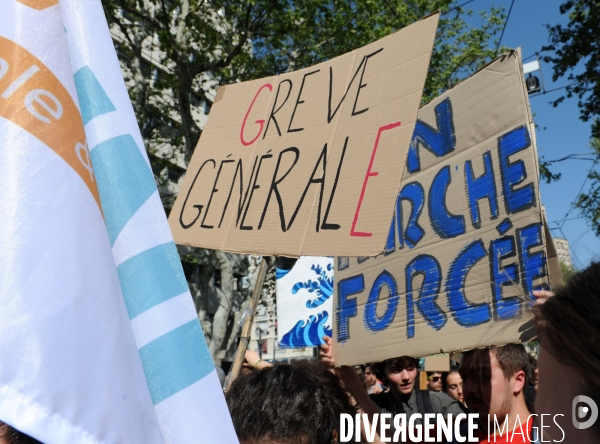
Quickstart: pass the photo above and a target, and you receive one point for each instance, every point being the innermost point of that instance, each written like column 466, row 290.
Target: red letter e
column 369, row 174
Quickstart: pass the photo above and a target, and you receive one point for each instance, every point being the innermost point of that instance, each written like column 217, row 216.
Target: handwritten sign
column 466, row 245
column 299, row 163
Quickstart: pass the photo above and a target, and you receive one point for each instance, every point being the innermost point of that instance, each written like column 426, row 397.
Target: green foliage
column 574, row 45
column 567, row 272
column 175, row 53
column 547, row 175
column 200, row 44
column 589, row 202
column 325, row 29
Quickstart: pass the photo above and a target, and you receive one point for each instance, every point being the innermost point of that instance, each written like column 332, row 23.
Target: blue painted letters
column 482, row 187
column 346, row 308
column 533, row 264
column 514, row 173
column 372, row 321
column 444, row 223
column 464, row 312
column 430, row 269
column 500, row 249
column 440, row 142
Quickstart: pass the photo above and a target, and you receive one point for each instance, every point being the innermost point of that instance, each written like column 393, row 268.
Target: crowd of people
column 529, row 400
column 302, row 402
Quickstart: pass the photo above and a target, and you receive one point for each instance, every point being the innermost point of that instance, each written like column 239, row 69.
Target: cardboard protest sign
column 299, row 163
column 466, row 245
column 437, row 363
column 304, row 302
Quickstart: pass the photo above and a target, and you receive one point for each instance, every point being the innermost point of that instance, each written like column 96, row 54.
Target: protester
column 402, row 397
column 373, row 384
column 569, row 358
column 297, row 403
column 493, row 383
column 434, row 381
column 452, row 384
column 361, row 375
column 532, row 378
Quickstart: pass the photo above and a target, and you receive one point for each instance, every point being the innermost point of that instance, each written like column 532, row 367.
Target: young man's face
column 434, row 381
column 402, row 380
column 486, row 390
column 455, row 386
column 370, row 378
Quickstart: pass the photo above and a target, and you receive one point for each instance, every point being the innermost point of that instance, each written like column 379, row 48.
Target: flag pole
column 247, row 327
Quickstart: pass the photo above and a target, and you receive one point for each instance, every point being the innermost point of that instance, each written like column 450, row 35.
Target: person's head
column 494, row 379
column 434, row 381
column 569, row 360
column 453, row 384
column 360, row 371
column 10, row 435
column 296, row 403
column 370, row 376
column 532, row 375
column 401, row 374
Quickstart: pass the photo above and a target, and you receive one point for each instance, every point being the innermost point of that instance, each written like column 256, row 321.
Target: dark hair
column 300, row 402
column 401, row 363
column 569, row 326
column 531, row 370
column 511, row 358
column 13, row 436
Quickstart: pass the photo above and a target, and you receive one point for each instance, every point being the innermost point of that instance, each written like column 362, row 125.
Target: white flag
column 69, row 367
column 133, row 365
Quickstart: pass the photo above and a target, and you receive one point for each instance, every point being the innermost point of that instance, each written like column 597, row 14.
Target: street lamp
column 532, row 82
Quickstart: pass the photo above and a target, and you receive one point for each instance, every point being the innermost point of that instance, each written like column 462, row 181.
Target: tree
column 571, row 46
column 589, row 202
column 567, row 272
column 175, row 53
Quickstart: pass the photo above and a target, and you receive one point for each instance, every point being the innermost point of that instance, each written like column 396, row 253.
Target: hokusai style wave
column 323, row 286
column 308, row 333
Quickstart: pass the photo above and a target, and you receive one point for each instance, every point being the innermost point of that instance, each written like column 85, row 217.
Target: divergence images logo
column 584, row 407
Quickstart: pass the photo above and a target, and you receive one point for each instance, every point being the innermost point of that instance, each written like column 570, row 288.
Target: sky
column 564, row 132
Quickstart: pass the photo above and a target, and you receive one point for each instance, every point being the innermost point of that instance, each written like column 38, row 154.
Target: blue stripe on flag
column 175, row 361
column 151, row 277
column 93, row 100
column 125, row 181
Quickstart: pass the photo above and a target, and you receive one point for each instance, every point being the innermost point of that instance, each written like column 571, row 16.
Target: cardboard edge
column 552, row 261
column 431, row 14
column 552, row 266
column 438, row 14
column 491, row 62
column 425, row 17
column 220, row 93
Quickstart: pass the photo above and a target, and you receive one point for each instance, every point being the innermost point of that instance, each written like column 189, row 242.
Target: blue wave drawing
column 280, row 272
column 323, row 287
column 309, row 333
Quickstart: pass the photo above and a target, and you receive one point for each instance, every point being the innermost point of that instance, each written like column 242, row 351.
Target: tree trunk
column 221, row 318
column 188, row 126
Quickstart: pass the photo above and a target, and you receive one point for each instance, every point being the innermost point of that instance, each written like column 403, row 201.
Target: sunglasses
column 435, row 378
